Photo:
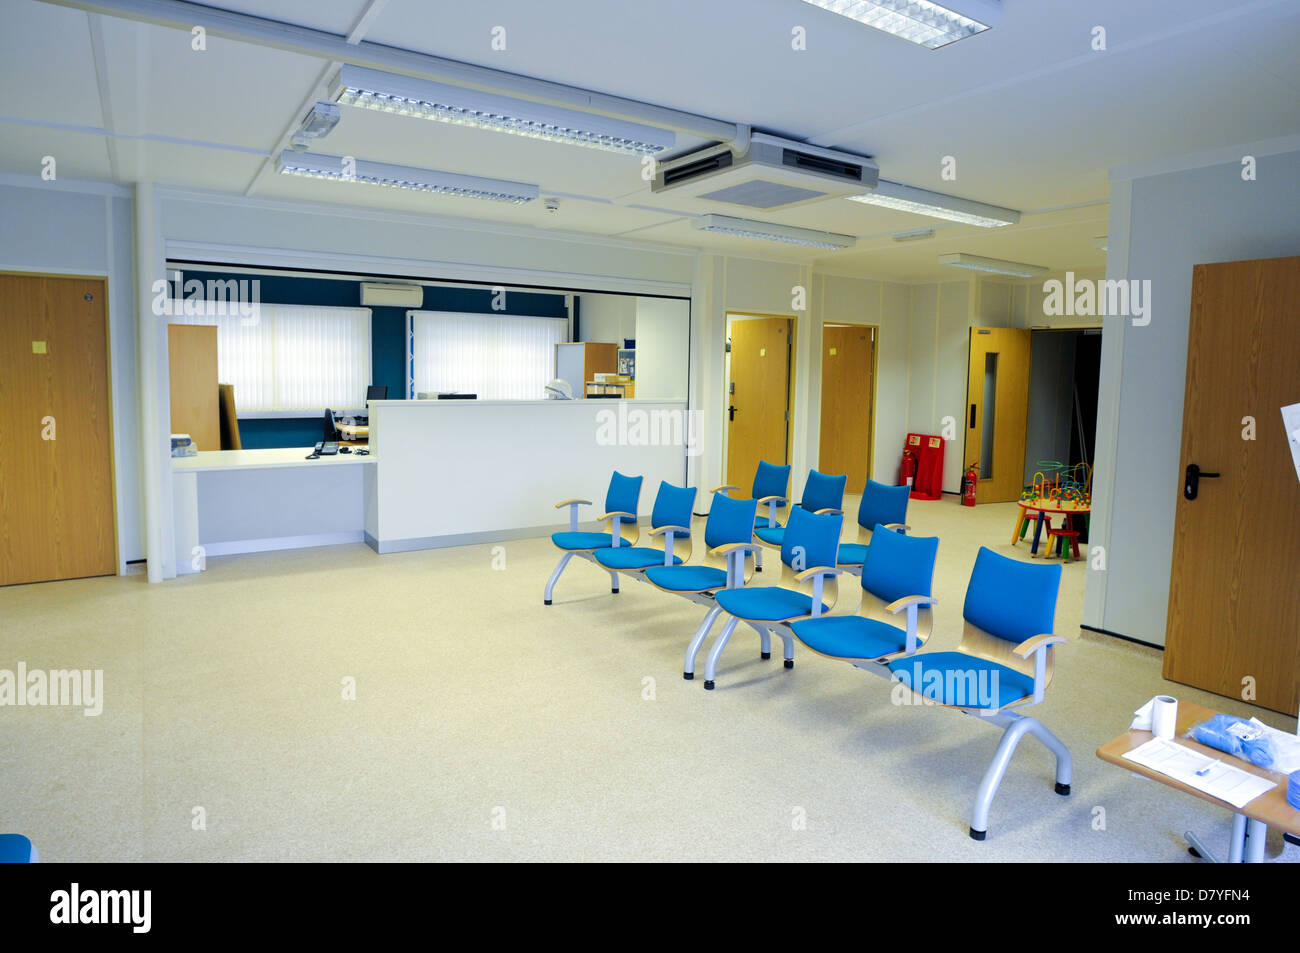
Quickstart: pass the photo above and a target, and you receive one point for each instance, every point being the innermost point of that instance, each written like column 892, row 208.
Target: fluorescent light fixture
column 785, row 234
column 424, row 99
column 906, row 198
column 928, row 24
column 346, row 169
column 994, row 266
column 916, row 235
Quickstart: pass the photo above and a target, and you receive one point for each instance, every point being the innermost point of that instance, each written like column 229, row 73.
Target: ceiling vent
column 772, row 173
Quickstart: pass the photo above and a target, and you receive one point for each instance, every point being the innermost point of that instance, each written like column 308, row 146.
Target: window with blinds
column 495, row 356
column 292, row 357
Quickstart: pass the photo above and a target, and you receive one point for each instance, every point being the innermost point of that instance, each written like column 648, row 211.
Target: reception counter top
column 210, row 461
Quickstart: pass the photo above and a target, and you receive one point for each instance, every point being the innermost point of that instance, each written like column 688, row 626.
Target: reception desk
column 454, row 472
column 440, row 473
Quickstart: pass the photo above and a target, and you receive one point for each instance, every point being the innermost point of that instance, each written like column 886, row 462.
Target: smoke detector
column 552, row 205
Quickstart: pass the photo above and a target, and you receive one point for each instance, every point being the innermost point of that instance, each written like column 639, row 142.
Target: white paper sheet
column 1221, row 780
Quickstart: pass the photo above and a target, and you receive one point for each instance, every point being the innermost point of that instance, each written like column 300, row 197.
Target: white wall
column 609, row 319
column 662, row 333
column 1160, row 226
column 50, row 228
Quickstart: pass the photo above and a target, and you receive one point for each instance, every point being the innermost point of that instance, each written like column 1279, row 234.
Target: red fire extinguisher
column 969, row 480
column 907, row 469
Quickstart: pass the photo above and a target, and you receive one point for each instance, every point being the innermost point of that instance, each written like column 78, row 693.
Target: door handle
column 1192, row 482
column 731, row 412
column 972, row 416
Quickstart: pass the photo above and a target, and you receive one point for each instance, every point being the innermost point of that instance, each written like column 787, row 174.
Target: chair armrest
column 725, row 488
column 899, row 605
column 817, row 571
column 1038, row 647
column 571, row 502
column 619, row 513
column 829, row 510
column 779, row 500
column 1030, row 646
column 899, row 528
column 727, row 548
column 660, row 530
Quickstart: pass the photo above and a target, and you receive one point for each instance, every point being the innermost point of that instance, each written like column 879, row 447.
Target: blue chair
column 671, row 520
column 897, row 576
column 726, row 563
column 17, row 849
column 621, row 502
column 821, row 494
column 1004, row 663
column 770, row 491
column 881, row 506
column 806, row 589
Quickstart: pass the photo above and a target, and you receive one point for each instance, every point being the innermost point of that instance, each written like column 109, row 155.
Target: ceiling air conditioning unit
column 378, row 294
column 772, row 173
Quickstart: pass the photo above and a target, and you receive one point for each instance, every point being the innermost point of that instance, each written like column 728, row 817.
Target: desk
column 1250, row 825
column 247, row 501
column 1045, row 507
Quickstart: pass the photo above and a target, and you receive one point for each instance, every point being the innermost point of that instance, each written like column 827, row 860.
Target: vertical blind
column 292, row 357
column 495, row 356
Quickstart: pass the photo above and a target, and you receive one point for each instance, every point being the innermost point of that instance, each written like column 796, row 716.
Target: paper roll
column 1164, row 716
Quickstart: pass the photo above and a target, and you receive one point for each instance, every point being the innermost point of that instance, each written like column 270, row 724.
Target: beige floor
column 487, row 726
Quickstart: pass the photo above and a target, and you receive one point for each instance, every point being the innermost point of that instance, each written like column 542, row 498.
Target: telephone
column 324, row 448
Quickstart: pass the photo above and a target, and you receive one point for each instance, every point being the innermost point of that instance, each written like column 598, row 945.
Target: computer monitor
column 376, row 392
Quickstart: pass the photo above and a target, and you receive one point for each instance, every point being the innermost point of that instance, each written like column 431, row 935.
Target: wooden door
column 848, row 398
column 56, row 466
column 1234, row 593
column 758, row 396
column 997, row 411
column 195, row 393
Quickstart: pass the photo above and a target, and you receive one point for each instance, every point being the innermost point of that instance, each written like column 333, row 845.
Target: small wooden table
column 1250, row 823
column 1044, row 507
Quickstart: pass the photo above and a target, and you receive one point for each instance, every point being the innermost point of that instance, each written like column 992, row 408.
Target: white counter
column 453, row 472
column 246, row 501
column 440, row 473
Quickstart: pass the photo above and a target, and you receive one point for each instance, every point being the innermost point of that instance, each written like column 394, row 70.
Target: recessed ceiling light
column 928, row 24
column 424, row 99
column 916, row 235
column 907, row 198
column 345, row 169
column 994, row 266
column 766, row 231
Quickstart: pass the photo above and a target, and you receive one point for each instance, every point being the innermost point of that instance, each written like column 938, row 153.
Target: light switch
column 762, row 352
column 38, row 347
column 833, row 352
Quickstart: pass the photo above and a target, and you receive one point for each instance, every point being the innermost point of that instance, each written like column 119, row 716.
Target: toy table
column 1046, row 507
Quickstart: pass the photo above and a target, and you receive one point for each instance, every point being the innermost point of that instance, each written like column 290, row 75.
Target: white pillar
column 155, row 442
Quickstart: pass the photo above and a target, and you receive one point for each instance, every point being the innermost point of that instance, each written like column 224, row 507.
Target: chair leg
column 720, row 643
column 789, row 648
column 702, row 633
column 765, row 640
column 555, row 577
column 613, row 583
column 758, row 560
column 1018, row 728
